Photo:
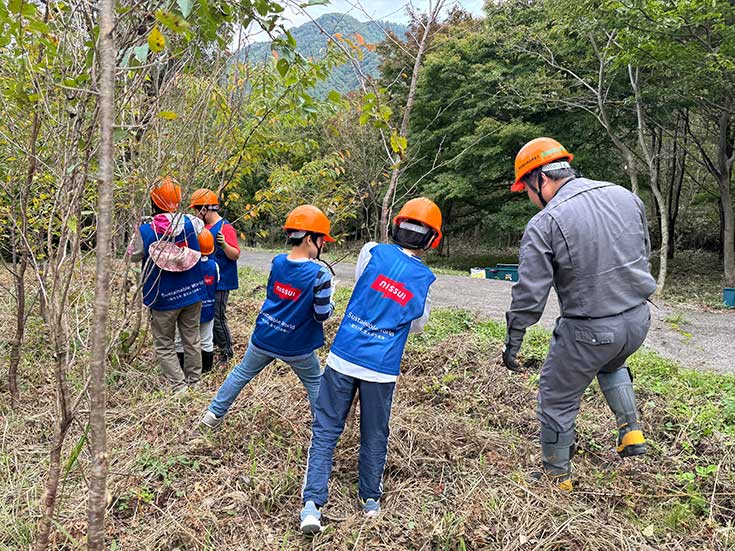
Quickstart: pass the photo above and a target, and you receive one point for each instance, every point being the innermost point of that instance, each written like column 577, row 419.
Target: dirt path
column 697, row 339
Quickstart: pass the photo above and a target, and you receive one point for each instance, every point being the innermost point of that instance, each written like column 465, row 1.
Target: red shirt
column 230, row 235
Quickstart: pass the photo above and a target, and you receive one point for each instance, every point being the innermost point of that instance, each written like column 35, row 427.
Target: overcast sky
column 391, row 10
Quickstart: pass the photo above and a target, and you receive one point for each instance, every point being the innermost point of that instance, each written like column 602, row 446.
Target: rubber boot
column 181, row 359
column 618, row 390
column 557, row 450
column 207, row 361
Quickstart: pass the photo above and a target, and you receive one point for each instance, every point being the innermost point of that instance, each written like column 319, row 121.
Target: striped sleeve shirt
column 323, row 305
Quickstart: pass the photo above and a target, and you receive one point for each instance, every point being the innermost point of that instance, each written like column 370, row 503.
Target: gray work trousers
column 163, row 329
column 580, row 349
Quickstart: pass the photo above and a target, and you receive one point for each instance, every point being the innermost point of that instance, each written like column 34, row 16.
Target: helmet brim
column 518, row 186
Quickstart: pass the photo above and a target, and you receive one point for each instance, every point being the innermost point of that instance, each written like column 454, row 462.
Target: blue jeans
column 306, row 367
column 330, row 413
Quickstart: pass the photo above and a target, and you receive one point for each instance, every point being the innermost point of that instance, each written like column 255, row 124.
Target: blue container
column 506, row 272
column 728, row 297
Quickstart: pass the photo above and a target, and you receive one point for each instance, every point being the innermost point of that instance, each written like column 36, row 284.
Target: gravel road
column 692, row 337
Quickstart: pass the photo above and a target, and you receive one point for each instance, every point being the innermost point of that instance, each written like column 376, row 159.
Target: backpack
column 171, row 256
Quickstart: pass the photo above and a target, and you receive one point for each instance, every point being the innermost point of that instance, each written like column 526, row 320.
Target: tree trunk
column 728, row 232
column 97, row 391
column 652, row 154
column 725, row 161
column 633, row 176
column 395, row 174
column 48, row 503
column 52, row 484
column 664, row 224
column 20, row 324
column 386, row 205
column 721, row 241
column 20, row 270
column 678, row 162
column 721, row 168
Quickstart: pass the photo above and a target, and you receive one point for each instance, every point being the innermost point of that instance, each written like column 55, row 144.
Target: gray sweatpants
column 580, row 349
column 164, row 324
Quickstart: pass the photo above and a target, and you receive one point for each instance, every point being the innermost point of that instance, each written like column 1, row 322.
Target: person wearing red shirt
column 227, row 251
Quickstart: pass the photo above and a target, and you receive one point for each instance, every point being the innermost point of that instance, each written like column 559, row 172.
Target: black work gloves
column 221, row 240
column 513, row 341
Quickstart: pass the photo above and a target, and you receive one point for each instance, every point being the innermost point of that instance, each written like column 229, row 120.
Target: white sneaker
column 211, row 420
column 310, row 519
column 371, row 507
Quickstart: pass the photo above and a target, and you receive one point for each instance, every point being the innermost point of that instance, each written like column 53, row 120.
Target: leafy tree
column 470, row 120
column 691, row 45
column 52, row 100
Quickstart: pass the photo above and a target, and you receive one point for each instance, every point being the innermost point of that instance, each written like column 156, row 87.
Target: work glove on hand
column 221, row 240
column 513, row 341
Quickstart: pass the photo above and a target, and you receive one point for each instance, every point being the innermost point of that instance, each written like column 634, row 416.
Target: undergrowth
column 464, row 435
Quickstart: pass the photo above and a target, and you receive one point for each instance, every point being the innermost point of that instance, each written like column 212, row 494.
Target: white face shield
column 412, row 235
column 418, row 228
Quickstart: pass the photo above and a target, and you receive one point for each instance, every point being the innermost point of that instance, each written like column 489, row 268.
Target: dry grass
column 463, row 436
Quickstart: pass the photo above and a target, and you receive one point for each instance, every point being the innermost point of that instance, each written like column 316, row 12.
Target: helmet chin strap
column 319, row 254
column 537, row 190
column 434, row 235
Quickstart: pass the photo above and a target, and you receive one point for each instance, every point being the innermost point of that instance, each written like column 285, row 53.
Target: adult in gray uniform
column 590, row 241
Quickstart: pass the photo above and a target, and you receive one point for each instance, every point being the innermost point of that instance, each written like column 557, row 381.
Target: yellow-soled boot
column 617, row 386
column 631, row 443
column 563, row 482
column 557, row 450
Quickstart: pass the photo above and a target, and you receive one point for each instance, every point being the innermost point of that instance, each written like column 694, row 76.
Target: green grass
column 704, row 400
column 464, row 435
column 693, row 409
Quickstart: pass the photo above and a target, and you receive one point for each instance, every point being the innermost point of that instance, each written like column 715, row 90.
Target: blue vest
column 227, row 268
column 286, row 324
column 164, row 290
column 209, row 275
column 389, row 295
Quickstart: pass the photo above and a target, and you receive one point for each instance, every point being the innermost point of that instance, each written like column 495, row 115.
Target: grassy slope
column 463, row 436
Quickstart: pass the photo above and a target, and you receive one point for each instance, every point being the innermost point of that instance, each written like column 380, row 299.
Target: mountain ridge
column 312, row 42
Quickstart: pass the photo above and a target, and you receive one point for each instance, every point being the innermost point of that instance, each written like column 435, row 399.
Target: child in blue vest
column 389, row 301
column 210, row 276
column 289, row 326
column 173, row 288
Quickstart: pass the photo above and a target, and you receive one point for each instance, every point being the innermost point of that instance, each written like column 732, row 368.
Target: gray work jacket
column 591, row 243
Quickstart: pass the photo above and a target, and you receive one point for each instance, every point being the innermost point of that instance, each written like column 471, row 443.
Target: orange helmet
column 167, row 195
column 206, row 242
column 425, row 211
column 536, row 153
column 203, row 197
column 309, row 218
